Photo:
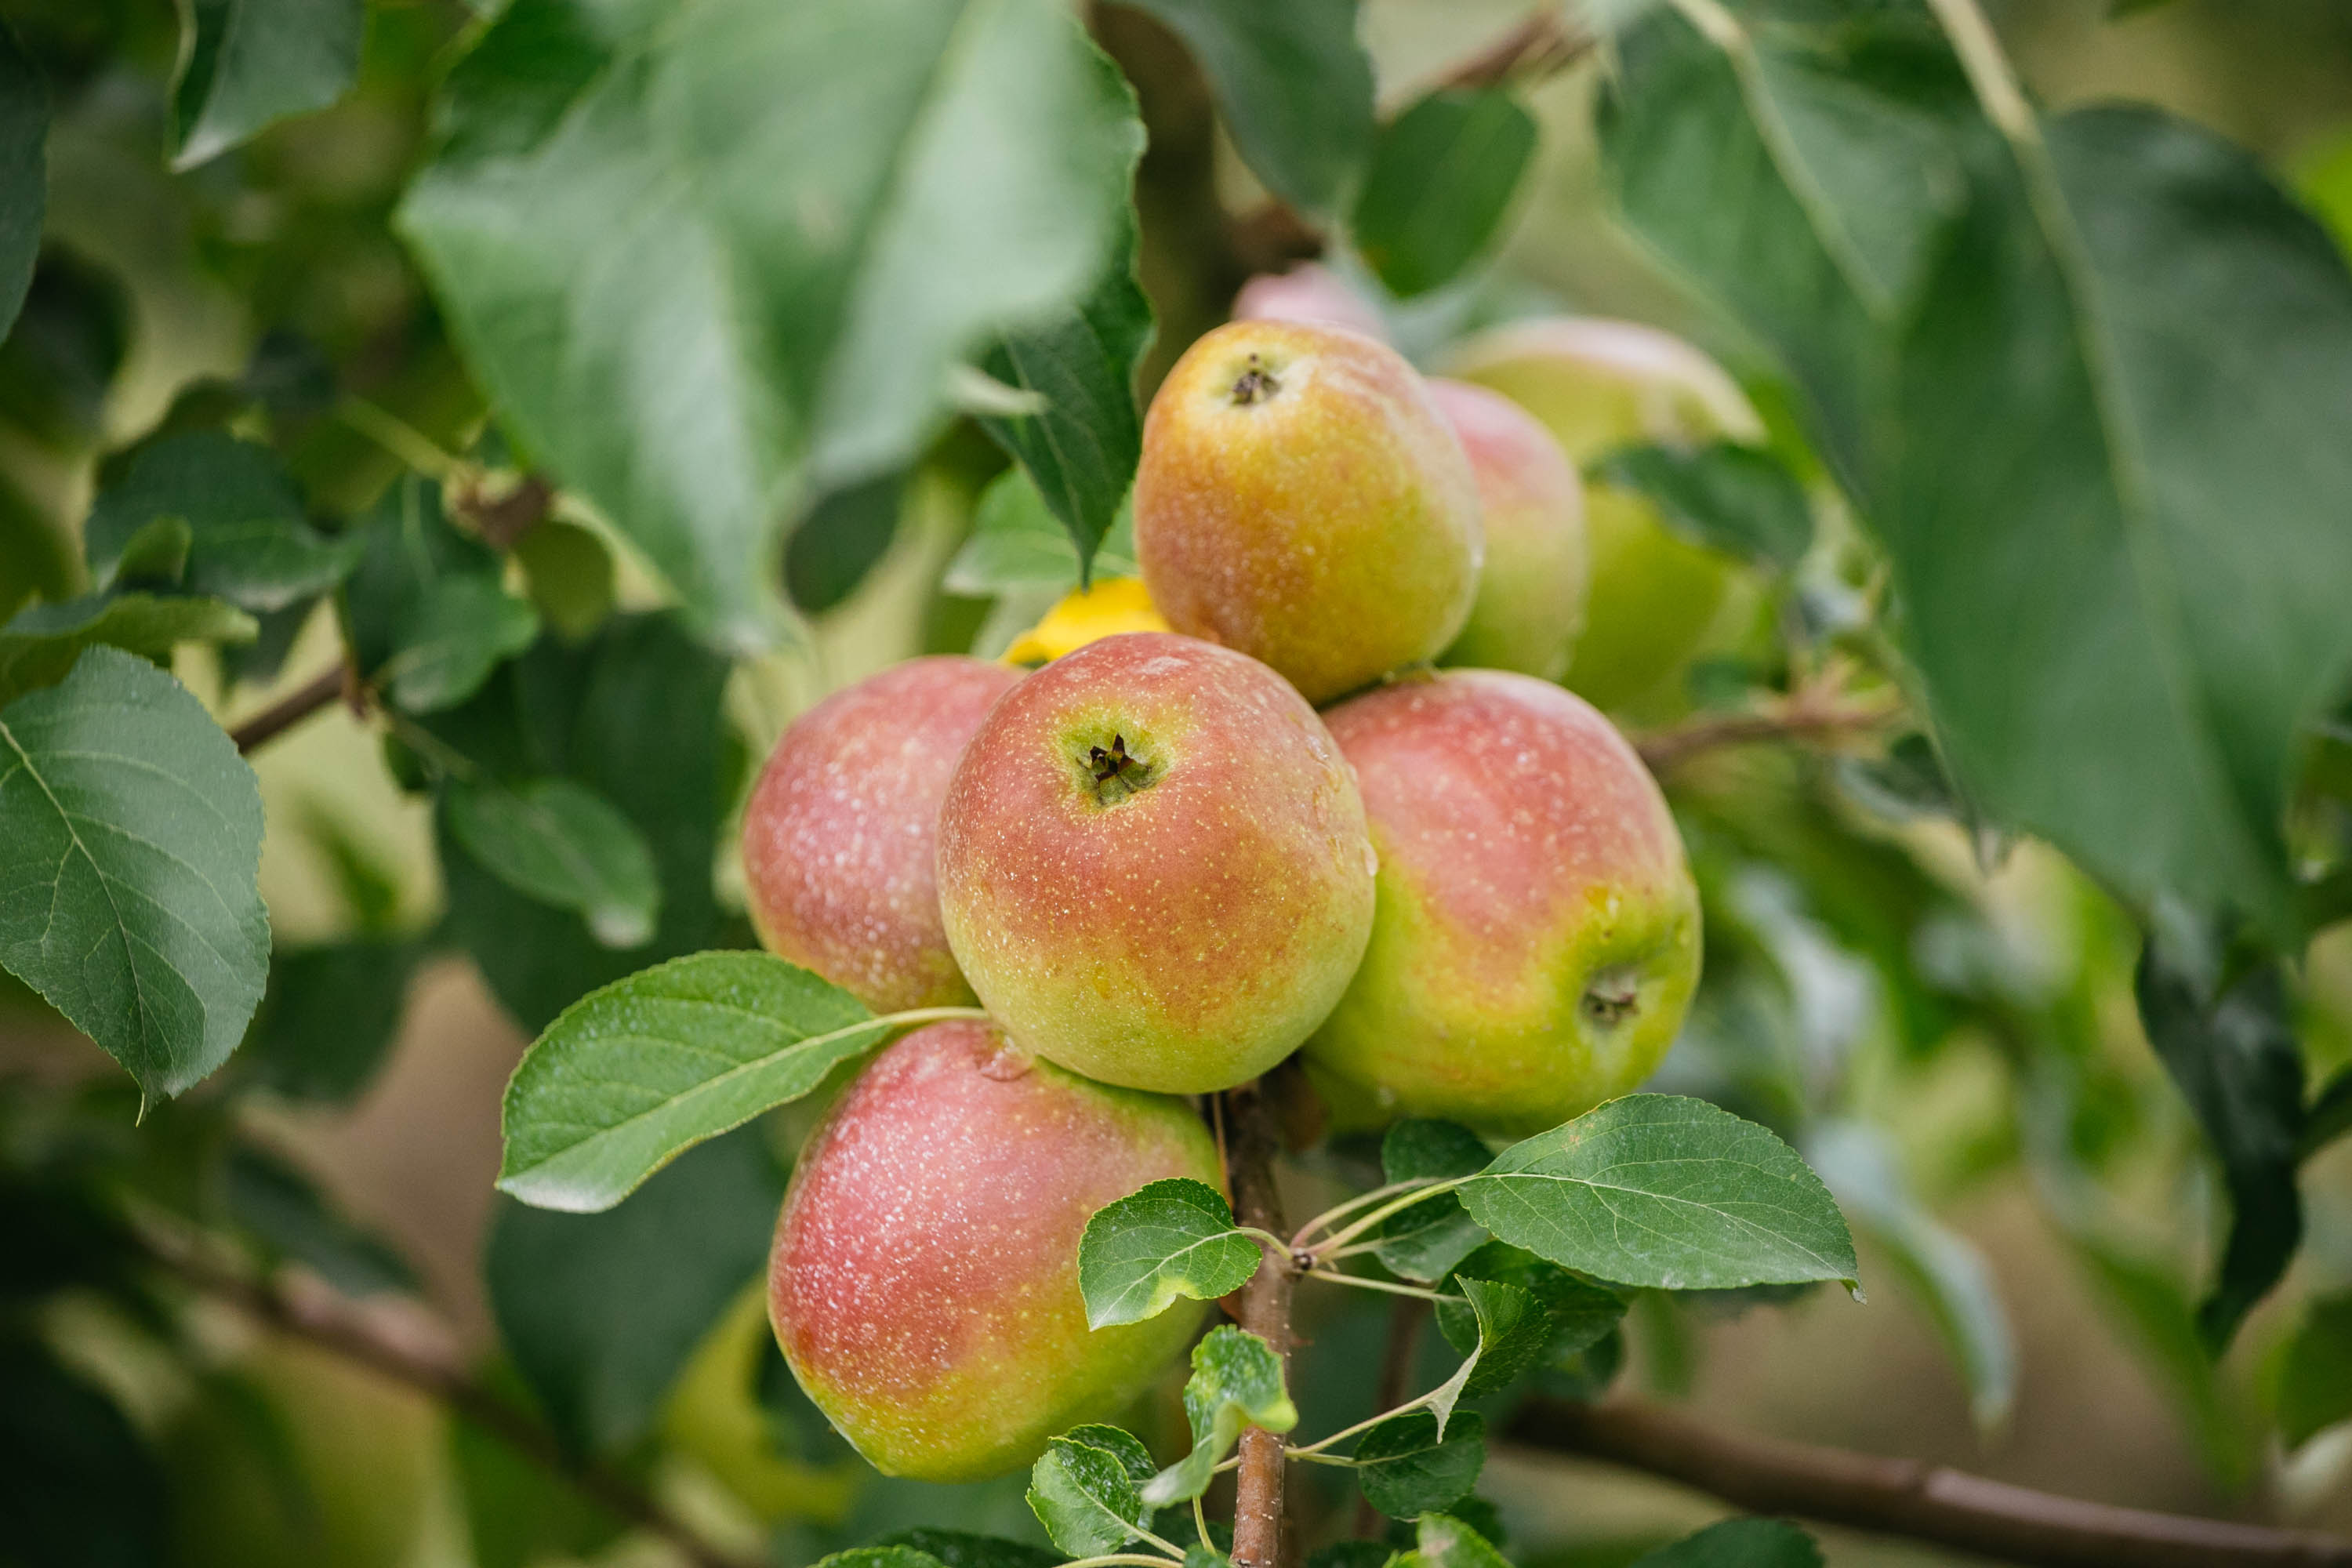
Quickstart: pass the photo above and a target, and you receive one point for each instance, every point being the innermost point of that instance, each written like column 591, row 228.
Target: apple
column 1538, row 939
column 1309, row 291
column 1301, row 499
column 1655, row 598
column 924, row 1280
column 1530, row 600
column 1153, row 865
column 840, row 832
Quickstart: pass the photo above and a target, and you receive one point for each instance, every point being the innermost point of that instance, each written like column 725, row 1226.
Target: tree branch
column 320, row 1316
column 1908, row 1498
column 1252, row 1137
column 296, row 706
column 1806, row 715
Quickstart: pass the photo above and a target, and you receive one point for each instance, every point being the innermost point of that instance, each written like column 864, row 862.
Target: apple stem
column 1266, row 1312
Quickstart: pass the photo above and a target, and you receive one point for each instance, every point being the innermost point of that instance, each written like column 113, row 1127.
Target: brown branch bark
column 1252, row 1137
column 1908, row 1498
column 321, row 1317
column 296, row 706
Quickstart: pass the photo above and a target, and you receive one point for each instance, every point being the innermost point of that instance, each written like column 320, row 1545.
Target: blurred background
column 274, row 266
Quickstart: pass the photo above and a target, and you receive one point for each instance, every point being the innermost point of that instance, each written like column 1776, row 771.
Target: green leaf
column 1739, row 1543
column 2330, row 1116
column 329, row 1016
column 1440, row 184
column 2230, row 1047
column 879, row 1557
column 1943, row 1269
column 820, row 210
column 1016, row 542
column 600, row 1312
column 1577, row 1313
column 40, row 643
column 1659, row 1191
column 964, row 1549
column 248, row 541
column 1294, row 86
column 1170, row 1238
column 1441, row 1540
column 2315, row 1374
column 244, row 63
column 1407, row 1469
column 2040, row 370
column 428, row 616
column 154, row 555
column 641, row 689
column 1512, row 1330
column 1737, row 500
column 1426, row 1240
column 24, row 173
column 843, row 538
column 1088, row 1497
column 517, row 1512
column 1082, row 450
column 78, row 1483
column 630, row 1076
column 569, row 572
column 563, row 844
column 129, row 850
column 1236, row 1382
column 280, row 1205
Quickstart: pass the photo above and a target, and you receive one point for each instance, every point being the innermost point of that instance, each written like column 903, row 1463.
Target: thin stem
column 1398, row 1205
column 399, row 437
column 1274, row 1245
column 1251, row 1139
column 1170, row 1547
column 1804, row 716
column 1201, row 1521
column 1366, row 1425
column 313, row 696
column 1133, row 1559
column 1366, row 1282
column 1330, row 1216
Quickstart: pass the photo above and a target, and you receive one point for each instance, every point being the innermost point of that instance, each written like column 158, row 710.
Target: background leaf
column 1426, row 1240
column 40, row 643
column 249, row 541
column 871, row 190
column 600, row 1312
column 1739, row 1543
column 2234, row 1056
column 2315, row 1373
column 561, row 843
column 843, row 538
column 428, row 612
column 280, row 1204
column 129, row 845
column 1735, row 499
column 247, row 62
column 1666, row 1191
column 77, row 1484
column 24, row 173
column 1017, row 543
column 1442, row 178
column 649, row 1066
column 1294, row 86
column 2086, row 313
column 1082, row 451
column 328, row 1016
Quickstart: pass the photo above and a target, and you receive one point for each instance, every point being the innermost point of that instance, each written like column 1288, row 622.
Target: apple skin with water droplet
column 841, row 832
column 1539, row 934
column 923, row 1283
column 1153, row 866
column 1301, row 499
column 1656, row 599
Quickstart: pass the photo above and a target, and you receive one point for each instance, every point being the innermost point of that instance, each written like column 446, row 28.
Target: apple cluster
column 1342, row 809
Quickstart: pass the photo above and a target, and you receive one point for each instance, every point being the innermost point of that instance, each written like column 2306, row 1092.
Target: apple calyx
column 1256, row 383
column 1115, row 773
column 1613, row 996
